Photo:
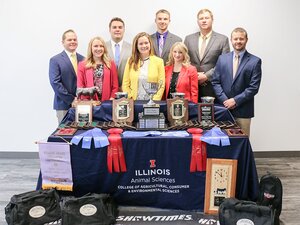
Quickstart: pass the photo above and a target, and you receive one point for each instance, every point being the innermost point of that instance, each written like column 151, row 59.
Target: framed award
column 84, row 112
column 220, row 183
column 177, row 110
column 123, row 110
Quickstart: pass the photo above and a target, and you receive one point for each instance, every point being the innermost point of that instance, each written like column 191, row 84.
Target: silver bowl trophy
column 151, row 118
column 206, row 110
column 121, row 95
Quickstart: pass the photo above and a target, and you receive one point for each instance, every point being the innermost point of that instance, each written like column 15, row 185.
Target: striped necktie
column 161, row 44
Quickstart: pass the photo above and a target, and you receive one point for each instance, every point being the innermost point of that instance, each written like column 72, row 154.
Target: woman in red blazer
column 97, row 70
column 181, row 76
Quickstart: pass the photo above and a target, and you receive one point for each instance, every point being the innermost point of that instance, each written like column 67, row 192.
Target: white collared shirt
column 113, row 45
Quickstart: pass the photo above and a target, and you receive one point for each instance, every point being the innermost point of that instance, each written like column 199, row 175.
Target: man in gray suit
column 163, row 39
column 204, row 48
column 118, row 49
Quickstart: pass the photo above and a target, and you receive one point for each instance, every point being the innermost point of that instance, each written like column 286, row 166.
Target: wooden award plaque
column 84, row 112
column 177, row 109
column 123, row 110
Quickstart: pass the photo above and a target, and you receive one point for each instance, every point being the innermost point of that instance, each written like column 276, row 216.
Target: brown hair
column 135, row 54
column 116, row 19
column 67, row 31
column 163, row 11
column 241, row 30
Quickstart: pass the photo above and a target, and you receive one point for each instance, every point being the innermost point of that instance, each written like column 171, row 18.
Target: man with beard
column 236, row 79
column 163, row 39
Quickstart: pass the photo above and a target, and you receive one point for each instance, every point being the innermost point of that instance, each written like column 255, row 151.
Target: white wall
column 31, row 32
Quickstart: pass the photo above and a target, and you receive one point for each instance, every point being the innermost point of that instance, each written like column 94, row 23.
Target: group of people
column 200, row 66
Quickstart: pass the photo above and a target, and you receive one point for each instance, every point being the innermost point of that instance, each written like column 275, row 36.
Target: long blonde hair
column 135, row 54
column 182, row 47
column 89, row 61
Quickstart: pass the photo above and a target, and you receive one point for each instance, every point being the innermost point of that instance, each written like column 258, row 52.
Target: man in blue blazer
column 62, row 74
column 237, row 78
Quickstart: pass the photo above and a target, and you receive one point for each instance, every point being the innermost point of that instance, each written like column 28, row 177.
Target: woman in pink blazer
column 97, row 70
column 181, row 76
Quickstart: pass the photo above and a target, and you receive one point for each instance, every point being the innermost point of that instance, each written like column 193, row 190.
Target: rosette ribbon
column 199, row 155
column 215, row 136
column 115, row 154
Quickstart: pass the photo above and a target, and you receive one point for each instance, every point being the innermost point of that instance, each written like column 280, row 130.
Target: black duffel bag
column 33, row 208
column 90, row 209
column 233, row 211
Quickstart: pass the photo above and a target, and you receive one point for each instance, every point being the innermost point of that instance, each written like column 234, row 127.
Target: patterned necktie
column 203, row 46
column 161, row 44
column 74, row 62
column 117, row 54
column 236, row 62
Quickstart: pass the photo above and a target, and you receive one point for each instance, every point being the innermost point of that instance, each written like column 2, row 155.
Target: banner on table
column 55, row 162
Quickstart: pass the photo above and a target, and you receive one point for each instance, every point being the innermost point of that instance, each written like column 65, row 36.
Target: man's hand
column 229, row 103
column 202, row 78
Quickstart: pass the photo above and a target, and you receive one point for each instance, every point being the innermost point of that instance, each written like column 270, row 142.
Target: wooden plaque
column 220, row 182
column 84, row 112
column 178, row 111
column 123, row 110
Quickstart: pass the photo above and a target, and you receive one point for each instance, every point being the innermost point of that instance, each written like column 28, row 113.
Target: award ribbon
column 115, row 153
column 214, row 136
column 199, row 155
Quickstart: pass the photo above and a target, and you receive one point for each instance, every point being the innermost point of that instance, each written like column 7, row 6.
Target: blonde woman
column 99, row 71
column 142, row 67
column 181, row 76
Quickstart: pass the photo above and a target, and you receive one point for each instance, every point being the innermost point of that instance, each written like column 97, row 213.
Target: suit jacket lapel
column 244, row 61
column 155, row 43
column 195, row 42
column 167, row 44
column 181, row 76
column 68, row 61
column 209, row 44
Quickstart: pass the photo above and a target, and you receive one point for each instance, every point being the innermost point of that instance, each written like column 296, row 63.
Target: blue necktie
column 117, row 54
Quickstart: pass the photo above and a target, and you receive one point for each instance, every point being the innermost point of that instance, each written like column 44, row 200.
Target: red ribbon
column 198, row 157
column 115, row 154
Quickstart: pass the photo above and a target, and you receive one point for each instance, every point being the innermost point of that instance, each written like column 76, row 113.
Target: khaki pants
column 244, row 123
column 60, row 114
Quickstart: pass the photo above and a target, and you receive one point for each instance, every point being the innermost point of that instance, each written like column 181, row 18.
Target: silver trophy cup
column 151, row 89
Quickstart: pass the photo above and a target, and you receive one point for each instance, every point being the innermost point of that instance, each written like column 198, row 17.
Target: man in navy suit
column 236, row 79
column 62, row 74
column 162, row 47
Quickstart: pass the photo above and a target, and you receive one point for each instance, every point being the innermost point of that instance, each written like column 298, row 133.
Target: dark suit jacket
column 124, row 55
column 217, row 45
column 170, row 40
column 187, row 82
column 63, row 80
column 243, row 87
column 110, row 80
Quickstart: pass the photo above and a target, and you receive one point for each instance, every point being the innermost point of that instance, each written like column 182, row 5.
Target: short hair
column 65, row 33
column 241, row 30
column 163, row 11
column 116, row 19
column 205, row 10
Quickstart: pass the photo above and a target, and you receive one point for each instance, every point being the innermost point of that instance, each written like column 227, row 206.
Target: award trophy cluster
column 151, row 118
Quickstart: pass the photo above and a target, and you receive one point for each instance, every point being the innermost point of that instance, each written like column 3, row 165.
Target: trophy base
column 151, row 110
column 153, row 122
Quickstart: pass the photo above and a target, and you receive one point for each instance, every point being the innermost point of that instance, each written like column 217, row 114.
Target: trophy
column 121, row 95
column 151, row 118
column 206, row 109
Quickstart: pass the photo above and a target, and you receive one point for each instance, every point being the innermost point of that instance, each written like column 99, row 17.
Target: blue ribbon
column 214, row 136
column 100, row 139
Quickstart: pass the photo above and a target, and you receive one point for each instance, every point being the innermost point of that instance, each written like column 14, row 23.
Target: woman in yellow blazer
column 143, row 66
